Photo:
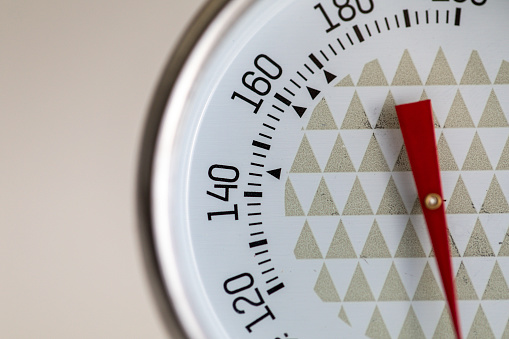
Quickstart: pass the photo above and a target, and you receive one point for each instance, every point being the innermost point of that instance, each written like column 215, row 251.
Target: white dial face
column 284, row 202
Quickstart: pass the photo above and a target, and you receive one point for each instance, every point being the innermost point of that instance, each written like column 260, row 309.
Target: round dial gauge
column 286, row 182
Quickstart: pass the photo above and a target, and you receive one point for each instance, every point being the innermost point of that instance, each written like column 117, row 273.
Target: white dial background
column 226, row 131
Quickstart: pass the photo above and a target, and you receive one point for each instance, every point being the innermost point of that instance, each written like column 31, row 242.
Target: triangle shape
column 359, row 290
column 497, row 286
column 441, row 73
column 409, row 246
column 444, row 328
column 357, row 203
column 376, row 328
column 341, row 246
column 428, row 288
column 406, row 75
column 480, row 327
column 305, row 160
column 495, row 201
column 504, row 249
column 321, row 118
column 452, row 246
column 372, row 75
column 424, row 96
column 292, row 203
column 329, row 76
column 306, row 247
column 375, row 246
column 445, row 157
column 392, row 203
column 478, row 245
column 324, row 287
column 393, row 289
column 403, row 163
column 276, row 173
column 374, row 160
column 388, row 117
column 299, row 110
column 493, row 115
column 417, row 208
column 411, row 327
column 355, row 117
column 339, row 160
column 323, row 204
column 343, row 316
column 464, row 288
column 460, row 202
column 477, row 159
column 503, row 75
column 313, row 92
column 475, row 73
column 503, row 163
column 459, row 116
column 346, row 82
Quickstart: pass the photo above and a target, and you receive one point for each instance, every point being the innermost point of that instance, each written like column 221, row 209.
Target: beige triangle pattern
column 464, row 288
column 475, row 73
column 497, row 286
column 477, row 159
column 346, row 82
column 324, row 287
column 481, row 328
column 393, row 289
column 323, row 204
column 452, row 246
column 495, row 201
column 305, row 160
column 460, row 202
column 403, row 163
column 406, row 75
column 392, row 203
column 409, row 246
column 339, row 160
column 417, row 208
column 441, row 73
column 424, row 96
column 343, row 316
column 505, row 335
column 375, row 246
column 444, row 329
column 459, row 116
column 374, row 160
column 321, row 118
column 355, row 117
column 503, row 74
column 372, row 75
column 306, row 247
column 428, row 289
column 388, row 117
column 445, row 157
column 341, row 247
column 411, row 327
column 359, row 290
column 376, row 328
column 478, row 245
column 357, row 203
column 493, row 115
column 292, row 204
column 504, row 249
column 503, row 163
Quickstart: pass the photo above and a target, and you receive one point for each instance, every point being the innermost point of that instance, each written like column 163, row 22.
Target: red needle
column 416, row 121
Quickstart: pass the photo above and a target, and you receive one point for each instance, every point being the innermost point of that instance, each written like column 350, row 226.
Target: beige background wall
column 76, row 78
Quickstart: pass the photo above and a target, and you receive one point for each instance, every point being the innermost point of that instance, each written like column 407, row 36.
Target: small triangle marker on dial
column 276, row 173
column 313, row 92
column 300, row 110
column 329, row 76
